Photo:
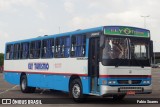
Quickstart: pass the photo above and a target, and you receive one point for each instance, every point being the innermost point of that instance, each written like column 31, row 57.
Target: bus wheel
column 24, row 87
column 76, row 91
column 118, row 97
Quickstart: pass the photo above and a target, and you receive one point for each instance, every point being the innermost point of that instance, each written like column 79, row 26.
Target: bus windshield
column 115, row 48
column 139, row 50
column 118, row 48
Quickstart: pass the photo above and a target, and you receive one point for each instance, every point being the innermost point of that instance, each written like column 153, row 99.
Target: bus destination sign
column 126, row 31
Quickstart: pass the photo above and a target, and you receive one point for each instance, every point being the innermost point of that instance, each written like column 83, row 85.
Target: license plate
column 131, row 93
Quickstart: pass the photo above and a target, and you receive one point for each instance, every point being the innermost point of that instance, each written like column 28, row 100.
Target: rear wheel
column 24, row 85
column 76, row 91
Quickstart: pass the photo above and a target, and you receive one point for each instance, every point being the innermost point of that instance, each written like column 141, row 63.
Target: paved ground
column 12, row 91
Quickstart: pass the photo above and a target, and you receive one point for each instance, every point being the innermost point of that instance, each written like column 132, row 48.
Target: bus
column 107, row 61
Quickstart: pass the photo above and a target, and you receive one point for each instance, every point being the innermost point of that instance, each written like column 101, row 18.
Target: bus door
column 93, row 64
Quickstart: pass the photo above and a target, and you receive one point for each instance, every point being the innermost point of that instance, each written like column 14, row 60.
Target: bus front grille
column 126, row 89
column 129, row 81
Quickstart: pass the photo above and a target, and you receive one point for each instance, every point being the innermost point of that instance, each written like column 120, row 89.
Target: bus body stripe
column 101, row 76
column 125, row 76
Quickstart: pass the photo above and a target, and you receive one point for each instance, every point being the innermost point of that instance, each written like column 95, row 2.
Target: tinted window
column 62, row 47
column 9, row 52
column 16, row 51
column 78, row 47
column 48, row 48
column 35, row 47
column 24, row 50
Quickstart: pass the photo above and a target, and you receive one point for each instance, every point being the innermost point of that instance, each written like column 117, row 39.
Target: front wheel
column 24, row 85
column 76, row 91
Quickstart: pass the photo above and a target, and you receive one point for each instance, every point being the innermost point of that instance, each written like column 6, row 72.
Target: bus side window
column 44, row 49
column 16, row 51
column 62, row 47
column 24, row 50
column 66, row 47
column 8, row 52
column 78, row 47
column 11, row 52
column 35, row 47
column 57, row 48
column 61, row 44
column 73, row 43
column 48, row 48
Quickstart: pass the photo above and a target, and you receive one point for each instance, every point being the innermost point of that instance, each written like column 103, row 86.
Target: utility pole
column 145, row 20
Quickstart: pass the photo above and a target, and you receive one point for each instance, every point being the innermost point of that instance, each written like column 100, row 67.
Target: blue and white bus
column 104, row 61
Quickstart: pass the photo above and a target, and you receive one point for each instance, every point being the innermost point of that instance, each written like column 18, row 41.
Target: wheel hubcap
column 24, row 84
column 76, row 91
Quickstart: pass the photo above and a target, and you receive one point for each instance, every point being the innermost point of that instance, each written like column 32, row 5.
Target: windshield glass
column 115, row 48
column 139, row 50
column 118, row 48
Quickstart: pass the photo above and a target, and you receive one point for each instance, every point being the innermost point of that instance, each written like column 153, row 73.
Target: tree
column 1, row 59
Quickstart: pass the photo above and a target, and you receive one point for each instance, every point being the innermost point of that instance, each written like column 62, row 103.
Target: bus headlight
column 111, row 82
column 146, row 82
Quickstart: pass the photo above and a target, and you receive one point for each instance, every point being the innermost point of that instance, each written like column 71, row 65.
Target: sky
column 23, row 19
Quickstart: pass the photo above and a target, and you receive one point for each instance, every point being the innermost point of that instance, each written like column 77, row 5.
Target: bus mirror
column 102, row 39
column 151, row 49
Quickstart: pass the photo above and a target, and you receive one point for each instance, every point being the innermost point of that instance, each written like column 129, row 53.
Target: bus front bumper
column 114, row 90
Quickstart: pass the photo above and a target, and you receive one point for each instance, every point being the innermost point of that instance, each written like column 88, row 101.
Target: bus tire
column 118, row 97
column 76, row 91
column 24, row 85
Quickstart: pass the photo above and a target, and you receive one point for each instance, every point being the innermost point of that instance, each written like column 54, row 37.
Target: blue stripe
column 57, row 82
column 115, row 79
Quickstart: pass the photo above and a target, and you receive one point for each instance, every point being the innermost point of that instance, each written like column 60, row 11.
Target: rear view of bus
column 124, row 64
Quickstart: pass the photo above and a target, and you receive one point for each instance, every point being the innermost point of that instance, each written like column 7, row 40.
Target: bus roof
column 70, row 33
column 59, row 35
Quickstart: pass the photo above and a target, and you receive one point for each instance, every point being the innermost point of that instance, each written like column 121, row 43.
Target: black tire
column 118, row 97
column 76, row 91
column 24, row 85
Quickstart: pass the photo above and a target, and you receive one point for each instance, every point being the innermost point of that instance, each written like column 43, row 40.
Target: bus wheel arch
column 75, row 83
column 24, row 84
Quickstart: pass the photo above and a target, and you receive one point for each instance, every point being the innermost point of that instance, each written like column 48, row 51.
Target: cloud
column 129, row 18
column 5, row 4
column 4, row 35
column 69, row 6
column 43, row 31
column 36, row 5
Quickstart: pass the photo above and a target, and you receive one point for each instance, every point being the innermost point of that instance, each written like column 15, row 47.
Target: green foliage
column 1, row 59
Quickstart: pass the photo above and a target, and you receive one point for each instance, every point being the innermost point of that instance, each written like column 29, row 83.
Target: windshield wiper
column 119, row 63
column 139, row 63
